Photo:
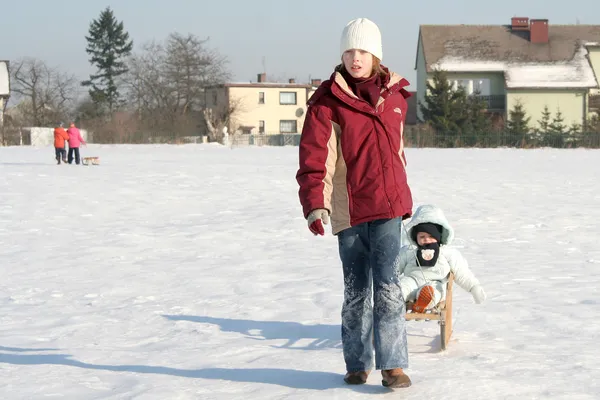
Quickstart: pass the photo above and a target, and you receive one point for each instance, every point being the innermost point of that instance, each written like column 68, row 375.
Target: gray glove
column 478, row 294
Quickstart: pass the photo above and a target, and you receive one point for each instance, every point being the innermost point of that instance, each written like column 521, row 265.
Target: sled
column 90, row 160
column 442, row 313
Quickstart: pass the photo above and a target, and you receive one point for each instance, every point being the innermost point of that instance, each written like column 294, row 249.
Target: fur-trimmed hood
column 432, row 214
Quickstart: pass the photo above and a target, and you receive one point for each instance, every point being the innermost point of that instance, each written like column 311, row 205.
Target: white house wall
column 271, row 111
column 421, row 78
column 4, row 79
column 594, row 57
column 572, row 104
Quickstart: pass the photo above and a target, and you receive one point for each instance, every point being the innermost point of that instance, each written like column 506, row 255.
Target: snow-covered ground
column 187, row 272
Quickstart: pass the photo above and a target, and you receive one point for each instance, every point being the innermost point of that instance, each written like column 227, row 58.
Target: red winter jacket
column 352, row 159
column 60, row 135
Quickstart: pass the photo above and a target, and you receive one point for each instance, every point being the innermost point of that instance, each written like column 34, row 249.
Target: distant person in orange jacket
column 75, row 140
column 60, row 135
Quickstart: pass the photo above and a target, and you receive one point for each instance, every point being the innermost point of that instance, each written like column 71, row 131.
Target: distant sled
column 90, row 160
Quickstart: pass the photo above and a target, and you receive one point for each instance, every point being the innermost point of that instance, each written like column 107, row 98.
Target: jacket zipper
column 381, row 162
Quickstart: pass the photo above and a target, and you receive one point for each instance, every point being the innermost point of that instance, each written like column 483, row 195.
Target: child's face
column 424, row 238
column 358, row 63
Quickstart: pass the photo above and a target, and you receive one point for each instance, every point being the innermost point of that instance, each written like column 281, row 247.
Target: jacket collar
column 341, row 90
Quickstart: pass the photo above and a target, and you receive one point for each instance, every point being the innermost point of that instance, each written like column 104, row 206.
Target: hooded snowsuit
column 450, row 260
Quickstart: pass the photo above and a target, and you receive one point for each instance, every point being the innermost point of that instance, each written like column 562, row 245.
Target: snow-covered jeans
column 368, row 252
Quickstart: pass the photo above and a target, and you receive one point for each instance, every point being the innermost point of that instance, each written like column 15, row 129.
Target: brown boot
column 395, row 378
column 356, row 378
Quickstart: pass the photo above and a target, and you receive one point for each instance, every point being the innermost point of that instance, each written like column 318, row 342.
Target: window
column 288, row 126
column 287, row 97
column 472, row 86
column 465, row 84
column 261, row 126
column 481, row 86
column 261, row 97
column 214, row 97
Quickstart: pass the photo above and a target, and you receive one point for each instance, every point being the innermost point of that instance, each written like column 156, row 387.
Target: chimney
column 315, row 82
column 292, row 80
column 262, row 77
column 519, row 23
column 538, row 31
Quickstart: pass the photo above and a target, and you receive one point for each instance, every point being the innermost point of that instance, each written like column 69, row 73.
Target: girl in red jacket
column 352, row 171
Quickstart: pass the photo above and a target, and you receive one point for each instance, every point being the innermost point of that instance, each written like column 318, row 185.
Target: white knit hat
column 363, row 34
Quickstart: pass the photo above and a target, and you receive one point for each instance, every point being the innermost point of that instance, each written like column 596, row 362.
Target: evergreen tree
column 575, row 128
column 556, row 131
column 444, row 108
column 557, row 126
column 544, row 123
column 478, row 122
column 518, row 121
column 108, row 45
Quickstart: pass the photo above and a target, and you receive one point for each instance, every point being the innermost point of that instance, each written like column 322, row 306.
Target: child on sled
column 425, row 264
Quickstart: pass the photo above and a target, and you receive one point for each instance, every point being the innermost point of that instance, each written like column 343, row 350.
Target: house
column 527, row 61
column 262, row 107
column 4, row 88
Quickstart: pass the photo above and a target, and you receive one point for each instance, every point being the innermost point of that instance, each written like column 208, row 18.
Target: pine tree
column 518, row 121
column 557, row 126
column 479, row 122
column 108, row 45
column 544, row 123
column 575, row 128
column 444, row 108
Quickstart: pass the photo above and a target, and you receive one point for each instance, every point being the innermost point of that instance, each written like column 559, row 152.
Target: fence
column 412, row 138
column 428, row 139
column 283, row 139
column 502, row 139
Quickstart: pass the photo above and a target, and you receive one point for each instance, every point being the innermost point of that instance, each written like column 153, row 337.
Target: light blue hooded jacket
column 449, row 260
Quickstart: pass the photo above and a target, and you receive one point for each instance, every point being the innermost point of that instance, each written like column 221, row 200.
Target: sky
column 188, row 272
column 287, row 39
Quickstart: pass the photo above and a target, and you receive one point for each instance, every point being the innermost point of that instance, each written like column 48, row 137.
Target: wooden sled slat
column 442, row 313
column 90, row 160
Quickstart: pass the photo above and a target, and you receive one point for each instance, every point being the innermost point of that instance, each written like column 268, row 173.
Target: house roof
column 560, row 63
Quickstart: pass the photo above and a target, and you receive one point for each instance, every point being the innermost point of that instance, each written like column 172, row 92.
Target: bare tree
column 167, row 82
column 220, row 117
column 190, row 67
column 44, row 94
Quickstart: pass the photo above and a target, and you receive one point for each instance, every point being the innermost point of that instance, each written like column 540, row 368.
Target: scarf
column 367, row 89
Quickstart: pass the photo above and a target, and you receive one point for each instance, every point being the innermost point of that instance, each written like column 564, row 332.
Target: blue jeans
column 368, row 252
column 60, row 153
column 76, row 151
